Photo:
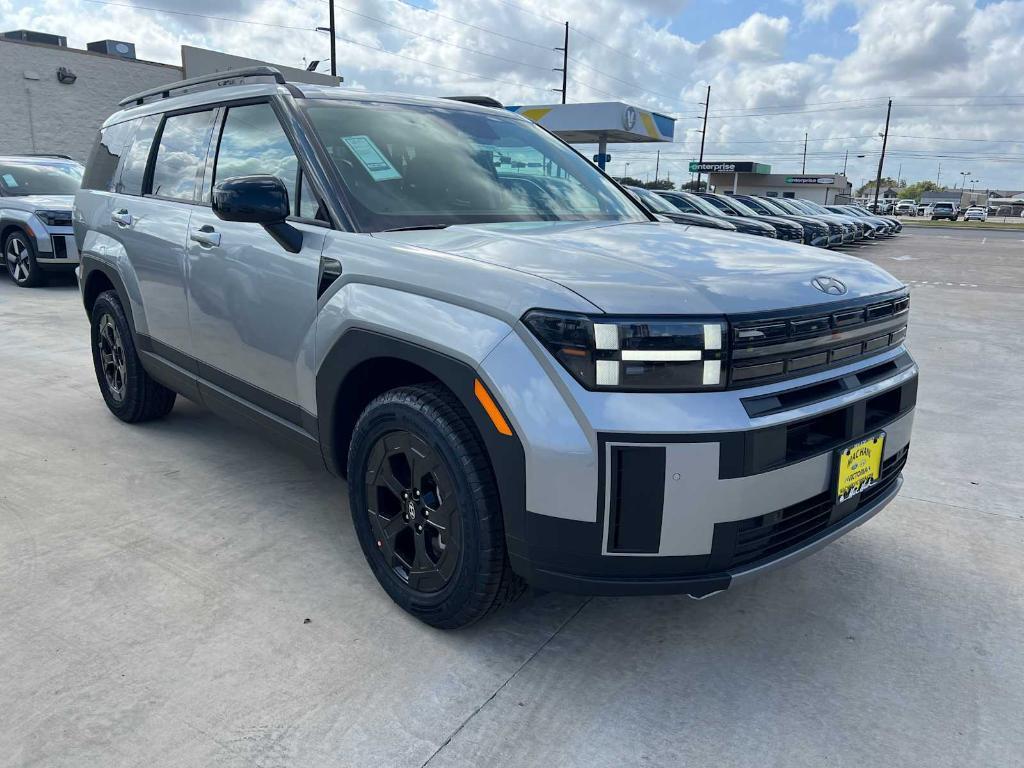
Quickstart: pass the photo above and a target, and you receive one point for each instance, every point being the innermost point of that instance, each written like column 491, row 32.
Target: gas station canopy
column 610, row 121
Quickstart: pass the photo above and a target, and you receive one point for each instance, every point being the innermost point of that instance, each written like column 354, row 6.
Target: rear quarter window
column 101, row 169
column 136, row 157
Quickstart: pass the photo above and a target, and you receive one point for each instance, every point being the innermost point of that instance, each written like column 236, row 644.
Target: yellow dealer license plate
column 860, row 466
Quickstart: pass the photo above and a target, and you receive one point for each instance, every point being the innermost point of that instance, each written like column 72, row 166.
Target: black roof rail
column 164, row 91
column 480, row 101
column 43, row 154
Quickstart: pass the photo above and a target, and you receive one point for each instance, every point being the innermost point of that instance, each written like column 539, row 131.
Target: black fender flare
column 7, row 222
column 358, row 346
column 88, row 266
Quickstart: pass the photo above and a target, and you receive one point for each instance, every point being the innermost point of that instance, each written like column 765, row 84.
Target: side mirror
column 258, row 200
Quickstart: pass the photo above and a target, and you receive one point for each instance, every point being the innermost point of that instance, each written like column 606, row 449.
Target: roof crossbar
column 218, row 78
column 480, row 101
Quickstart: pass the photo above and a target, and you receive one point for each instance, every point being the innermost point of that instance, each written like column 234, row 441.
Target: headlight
column 639, row 354
column 55, row 218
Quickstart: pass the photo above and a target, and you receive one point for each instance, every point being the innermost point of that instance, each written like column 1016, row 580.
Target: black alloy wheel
column 425, row 507
column 413, row 510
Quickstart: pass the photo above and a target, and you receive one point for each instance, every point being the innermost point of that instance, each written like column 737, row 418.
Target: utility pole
column 703, row 135
column 803, row 168
column 881, row 159
column 938, row 174
column 846, row 159
column 564, row 69
column 334, row 57
column 657, row 162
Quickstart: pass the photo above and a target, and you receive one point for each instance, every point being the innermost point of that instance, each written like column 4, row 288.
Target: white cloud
column 915, row 51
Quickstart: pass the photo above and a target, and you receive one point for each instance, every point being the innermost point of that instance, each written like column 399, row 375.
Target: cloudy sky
column 776, row 69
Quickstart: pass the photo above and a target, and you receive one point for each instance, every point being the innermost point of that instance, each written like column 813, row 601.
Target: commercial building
column 55, row 98
column 752, row 178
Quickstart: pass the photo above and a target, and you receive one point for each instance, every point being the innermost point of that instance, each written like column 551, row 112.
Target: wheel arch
column 97, row 277
column 363, row 364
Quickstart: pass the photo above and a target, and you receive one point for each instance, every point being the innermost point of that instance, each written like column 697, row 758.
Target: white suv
column 36, row 196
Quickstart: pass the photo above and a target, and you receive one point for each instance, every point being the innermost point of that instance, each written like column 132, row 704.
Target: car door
column 153, row 202
column 252, row 304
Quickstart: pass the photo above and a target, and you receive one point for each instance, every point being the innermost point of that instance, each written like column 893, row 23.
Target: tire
column 448, row 570
column 127, row 389
column 20, row 258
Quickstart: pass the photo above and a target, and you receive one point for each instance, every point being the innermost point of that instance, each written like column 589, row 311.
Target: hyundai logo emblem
column 829, row 285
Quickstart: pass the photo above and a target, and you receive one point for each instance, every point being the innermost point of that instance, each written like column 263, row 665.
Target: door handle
column 122, row 218
column 206, row 235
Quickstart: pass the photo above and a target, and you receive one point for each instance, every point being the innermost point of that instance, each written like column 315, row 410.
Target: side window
column 133, row 172
column 181, row 155
column 309, row 206
column 102, row 165
column 254, row 143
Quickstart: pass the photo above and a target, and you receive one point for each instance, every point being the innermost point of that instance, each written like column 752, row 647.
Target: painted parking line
column 942, row 283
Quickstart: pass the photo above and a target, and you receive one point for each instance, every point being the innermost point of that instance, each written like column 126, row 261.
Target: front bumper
column 641, row 493
column 55, row 246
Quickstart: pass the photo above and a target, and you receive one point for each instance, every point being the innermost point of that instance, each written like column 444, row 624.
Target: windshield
column 787, row 207
column 18, row 179
column 737, row 205
column 414, row 166
column 702, row 205
column 813, row 207
column 655, row 202
column 769, row 207
column 801, row 206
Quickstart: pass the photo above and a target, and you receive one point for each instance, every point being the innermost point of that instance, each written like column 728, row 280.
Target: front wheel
column 20, row 256
column 425, row 507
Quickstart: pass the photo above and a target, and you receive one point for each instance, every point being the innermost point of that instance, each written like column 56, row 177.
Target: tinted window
column 253, row 143
column 102, row 165
column 133, row 171
column 39, row 178
column 182, row 155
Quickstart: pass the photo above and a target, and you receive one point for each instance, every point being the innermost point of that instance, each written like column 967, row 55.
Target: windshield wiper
column 417, row 226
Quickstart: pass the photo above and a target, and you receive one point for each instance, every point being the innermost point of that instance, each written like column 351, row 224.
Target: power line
column 442, row 41
column 133, row 6
column 473, row 26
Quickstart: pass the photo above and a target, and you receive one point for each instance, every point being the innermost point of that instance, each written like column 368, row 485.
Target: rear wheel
column 425, row 507
column 20, row 257
column 129, row 392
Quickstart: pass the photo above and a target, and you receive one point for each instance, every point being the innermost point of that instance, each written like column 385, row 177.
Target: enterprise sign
column 729, row 167
column 810, row 179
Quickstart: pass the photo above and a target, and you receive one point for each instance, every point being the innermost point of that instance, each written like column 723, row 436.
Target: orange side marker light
column 491, row 407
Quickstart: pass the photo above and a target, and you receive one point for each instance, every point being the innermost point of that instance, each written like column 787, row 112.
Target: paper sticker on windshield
column 9, row 180
column 372, row 159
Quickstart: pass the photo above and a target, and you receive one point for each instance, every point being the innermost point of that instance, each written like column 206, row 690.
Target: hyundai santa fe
column 525, row 377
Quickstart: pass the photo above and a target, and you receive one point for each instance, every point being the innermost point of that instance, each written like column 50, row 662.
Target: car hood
column 40, row 202
column 659, row 268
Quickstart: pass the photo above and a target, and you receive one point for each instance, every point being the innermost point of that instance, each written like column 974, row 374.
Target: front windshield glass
column 804, row 206
column 700, row 204
column 740, row 207
column 787, row 207
column 421, row 166
column 655, row 202
column 814, row 207
column 772, row 207
column 18, row 179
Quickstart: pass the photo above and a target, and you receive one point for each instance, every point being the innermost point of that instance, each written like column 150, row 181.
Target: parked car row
column 789, row 219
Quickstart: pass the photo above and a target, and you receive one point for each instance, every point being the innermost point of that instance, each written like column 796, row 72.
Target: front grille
column 766, row 536
column 768, row 349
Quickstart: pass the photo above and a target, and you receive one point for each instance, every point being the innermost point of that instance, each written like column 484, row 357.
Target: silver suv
column 36, row 194
column 524, row 376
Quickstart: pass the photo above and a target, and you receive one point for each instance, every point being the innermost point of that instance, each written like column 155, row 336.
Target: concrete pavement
column 155, row 583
